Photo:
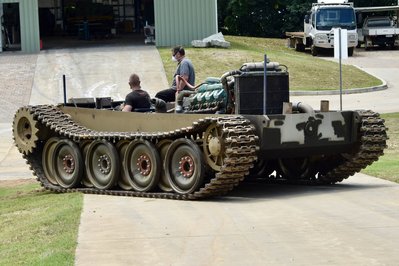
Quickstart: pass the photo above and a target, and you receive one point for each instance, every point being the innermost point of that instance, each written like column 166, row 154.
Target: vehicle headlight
column 321, row 37
column 352, row 37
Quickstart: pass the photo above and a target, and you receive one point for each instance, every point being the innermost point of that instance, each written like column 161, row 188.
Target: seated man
column 138, row 98
column 185, row 70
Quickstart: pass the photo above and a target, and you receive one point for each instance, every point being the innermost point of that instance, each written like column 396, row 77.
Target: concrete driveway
column 96, row 72
column 353, row 223
column 383, row 64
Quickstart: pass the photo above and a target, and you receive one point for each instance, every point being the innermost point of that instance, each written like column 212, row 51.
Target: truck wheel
column 366, row 46
column 350, row 51
column 299, row 47
column 313, row 50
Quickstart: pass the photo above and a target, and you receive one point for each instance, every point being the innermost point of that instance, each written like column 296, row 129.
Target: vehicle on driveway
column 379, row 31
column 319, row 27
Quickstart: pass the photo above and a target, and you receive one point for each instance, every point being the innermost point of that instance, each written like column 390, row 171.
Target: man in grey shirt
column 184, row 70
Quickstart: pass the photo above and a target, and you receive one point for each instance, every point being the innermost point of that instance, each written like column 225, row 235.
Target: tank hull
column 191, row 156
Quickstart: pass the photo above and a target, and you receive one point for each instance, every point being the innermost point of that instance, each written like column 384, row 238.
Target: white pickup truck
column 381, row 31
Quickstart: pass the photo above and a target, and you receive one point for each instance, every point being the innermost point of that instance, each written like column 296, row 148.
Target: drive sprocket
column 25, row 130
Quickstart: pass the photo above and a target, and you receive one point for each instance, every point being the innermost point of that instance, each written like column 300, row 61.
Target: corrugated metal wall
column 29, row 19
column 178, row 22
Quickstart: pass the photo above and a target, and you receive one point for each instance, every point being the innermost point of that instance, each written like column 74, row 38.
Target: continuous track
column 372, row 142
column 239, row 147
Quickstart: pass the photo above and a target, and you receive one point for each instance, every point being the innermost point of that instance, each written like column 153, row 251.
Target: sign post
column 264, row 84
column 340, row 52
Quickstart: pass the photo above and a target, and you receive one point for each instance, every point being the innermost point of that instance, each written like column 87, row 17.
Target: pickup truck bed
column 380, row 31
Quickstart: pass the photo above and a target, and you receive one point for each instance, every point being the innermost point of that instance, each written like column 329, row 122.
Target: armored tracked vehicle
column 229, row 129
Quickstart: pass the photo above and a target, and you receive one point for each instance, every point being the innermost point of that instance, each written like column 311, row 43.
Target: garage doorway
column 10, row 27
column 74, row 23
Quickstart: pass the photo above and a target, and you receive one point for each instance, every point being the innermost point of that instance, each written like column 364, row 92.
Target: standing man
column 185, row 70
column 137, row 98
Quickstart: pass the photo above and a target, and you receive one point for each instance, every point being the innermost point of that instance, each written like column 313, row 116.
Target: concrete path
column 16, row 78
column 354, row 223
column 96, row 72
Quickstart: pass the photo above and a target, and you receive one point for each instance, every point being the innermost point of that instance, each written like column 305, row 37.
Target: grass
column 387, row 167
column 306, row 72
column 37, row 227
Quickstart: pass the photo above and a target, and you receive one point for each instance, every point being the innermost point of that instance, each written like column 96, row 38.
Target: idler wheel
column 142, row 165
column 123, row 182
column 213, row 147
column 184, row 166
column 163, row 146
column 67, row 163
column 47, row 160
column 102, row 164
column 25, row 130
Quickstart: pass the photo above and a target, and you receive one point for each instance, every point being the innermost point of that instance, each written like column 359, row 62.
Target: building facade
column 181, row 21
column 25, row 25
column 177, row 22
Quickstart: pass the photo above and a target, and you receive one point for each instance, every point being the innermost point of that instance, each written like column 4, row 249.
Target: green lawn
column 306, row 72
column 37, row 227
column 387, row 167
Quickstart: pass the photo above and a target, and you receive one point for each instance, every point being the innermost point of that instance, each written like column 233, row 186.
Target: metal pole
column 64, row 84
column 264, row 84
column 340, row 70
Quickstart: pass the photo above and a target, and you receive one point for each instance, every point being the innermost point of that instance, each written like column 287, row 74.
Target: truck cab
column 324, row 16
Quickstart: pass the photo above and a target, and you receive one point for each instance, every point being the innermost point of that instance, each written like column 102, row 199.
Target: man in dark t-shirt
column 185, row 70
column 138, row 98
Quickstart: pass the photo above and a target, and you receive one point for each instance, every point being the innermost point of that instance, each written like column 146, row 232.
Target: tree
column 271, row 18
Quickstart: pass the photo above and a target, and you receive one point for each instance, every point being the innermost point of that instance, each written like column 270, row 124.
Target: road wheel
column 47, row 159
column 262, row 169
column 84, row 145
column 142, row 165
column 163, row 146
column 184, row 166
column 67, row 162
column 295, row 168
column 299, row 47
column 366, row 46
column 123, row 181
column 102, row 164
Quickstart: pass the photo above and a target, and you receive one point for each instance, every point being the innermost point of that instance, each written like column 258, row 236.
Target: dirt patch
column 15, row 183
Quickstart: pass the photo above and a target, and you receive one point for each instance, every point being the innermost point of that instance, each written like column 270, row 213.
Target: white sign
column 340, row 43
